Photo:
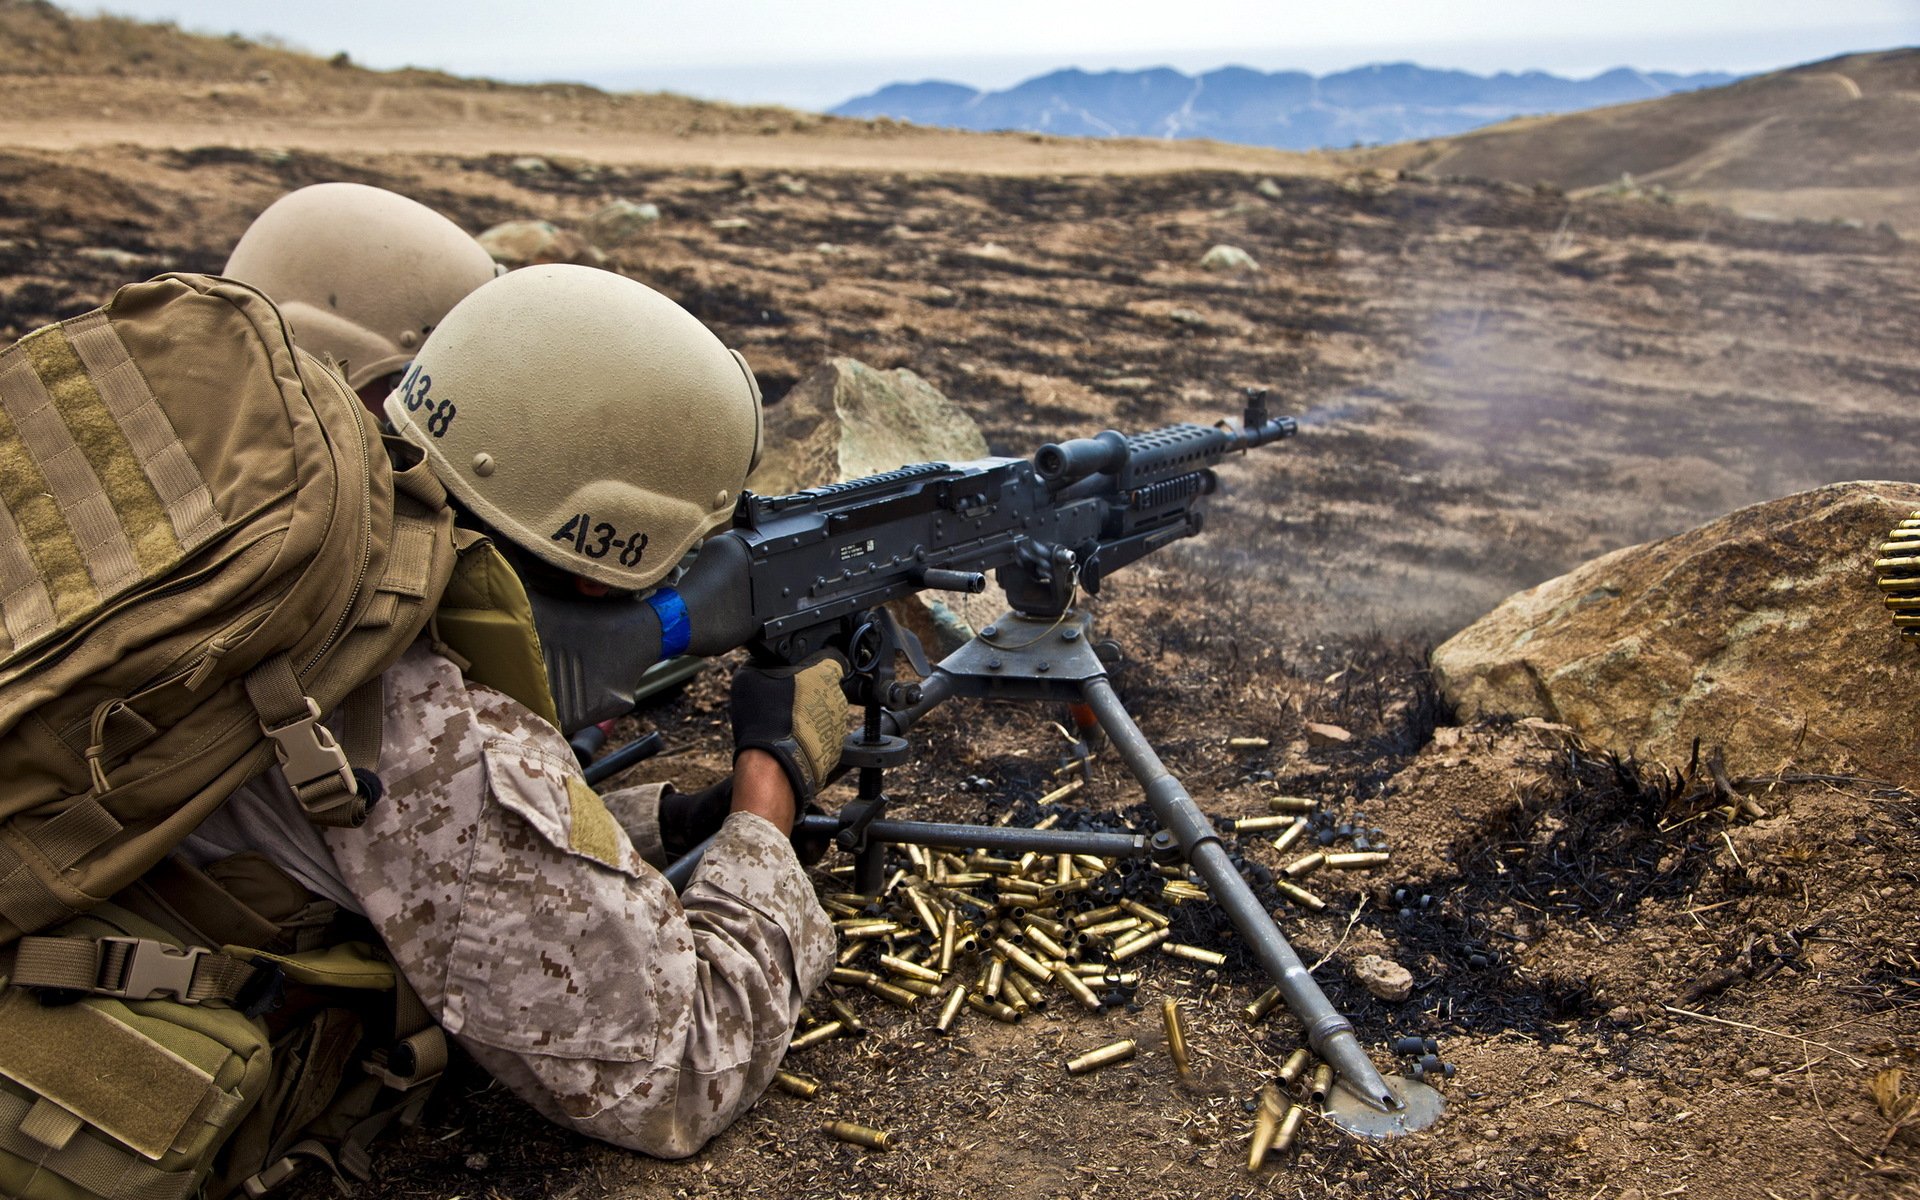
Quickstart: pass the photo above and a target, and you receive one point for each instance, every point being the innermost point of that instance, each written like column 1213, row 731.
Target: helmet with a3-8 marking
column 586, row 417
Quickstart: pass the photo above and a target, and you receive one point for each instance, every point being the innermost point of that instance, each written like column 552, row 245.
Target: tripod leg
column 1330, row 1034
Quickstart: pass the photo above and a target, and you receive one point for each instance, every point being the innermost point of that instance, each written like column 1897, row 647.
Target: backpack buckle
column 147, row 969
column 309, row 752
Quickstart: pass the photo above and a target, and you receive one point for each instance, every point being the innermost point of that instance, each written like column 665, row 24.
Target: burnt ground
column 1496, row 384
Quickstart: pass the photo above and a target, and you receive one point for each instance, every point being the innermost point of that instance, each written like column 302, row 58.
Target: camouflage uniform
column 537, row 934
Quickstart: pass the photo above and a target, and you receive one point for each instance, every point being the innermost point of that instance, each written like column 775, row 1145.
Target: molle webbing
column 100, row 494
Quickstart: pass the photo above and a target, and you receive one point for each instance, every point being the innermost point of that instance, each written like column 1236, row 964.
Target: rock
column 621, row 221
column 848, row 420
column 119, row 260
column 524, row 243
column 531, row 165
column 1754, row 633
column 1228, row 258
column 1383, row 977
column 1327, row 737
column 725, row 224
column 1269, row 189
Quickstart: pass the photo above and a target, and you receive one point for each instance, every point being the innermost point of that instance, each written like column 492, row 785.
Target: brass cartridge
column 1087, row 862
column 1248, row 743
column 816, row 1035
column 1266, row 1003
column 1359, row 858
column 1062, row 792
column 1292, row 804
column 1025, row 861
column 912, row 970
column 1107, row 929
column 1132, row 946
column 1020, row 958
column 1074, row 984
column 1063, row 868
column 1013, row 883
column 1047, row 945
column 980, row 860
column 1048, row 925
column 1289, row 1125
column 1295, row 1065
column 860, row 1135
column 1262, row 824
column 1158, row 920
column 893, row 995
column 1029, row 993
column 858, row 930
column 1176, row 1037
column 1093, row 1060
column 949, row 940
column 796, row 1085
column 951, row 1008
column 1299, row 895
column 849, row 952
column 970, row 878
column 1322, row 1083
column 996, row 976
column 1266, row 1126
column 852, row 975
column 1183, row 891
column 924, row 911
column 840, row 908
column 992, row 1008
column 1095, row 916
column 1293, row 834
column 919, row 987
column 844, row 1013
column 1300, row 868
column 1212, row 958
column 1106, row 973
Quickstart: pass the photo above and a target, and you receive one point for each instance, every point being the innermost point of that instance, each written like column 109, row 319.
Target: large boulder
column 621, row 221
column 848, row 420
column 1762, row 633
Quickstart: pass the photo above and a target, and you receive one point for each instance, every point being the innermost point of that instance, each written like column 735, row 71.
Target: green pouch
column 122, row 1100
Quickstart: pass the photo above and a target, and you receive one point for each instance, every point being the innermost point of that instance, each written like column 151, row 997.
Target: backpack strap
column 129, row 968
column 316, row 767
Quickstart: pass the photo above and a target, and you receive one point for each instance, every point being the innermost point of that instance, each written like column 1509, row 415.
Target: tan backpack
column 203, row 548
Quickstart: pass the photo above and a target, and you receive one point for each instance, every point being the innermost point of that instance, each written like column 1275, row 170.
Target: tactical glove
column 797, row 714
column 689, row 818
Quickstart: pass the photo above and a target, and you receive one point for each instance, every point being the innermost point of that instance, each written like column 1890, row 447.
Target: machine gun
column 810, row 571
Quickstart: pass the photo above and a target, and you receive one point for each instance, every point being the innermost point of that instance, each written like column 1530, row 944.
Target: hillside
column 1292, row 110
column 1838, row 139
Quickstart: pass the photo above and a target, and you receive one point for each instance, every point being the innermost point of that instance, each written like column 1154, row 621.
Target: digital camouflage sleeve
column 532, row 928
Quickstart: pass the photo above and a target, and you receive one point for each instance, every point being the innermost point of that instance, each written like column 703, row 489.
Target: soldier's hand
column 797, row 714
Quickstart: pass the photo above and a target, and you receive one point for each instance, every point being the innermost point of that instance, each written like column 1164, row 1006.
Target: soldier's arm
column 532, row 929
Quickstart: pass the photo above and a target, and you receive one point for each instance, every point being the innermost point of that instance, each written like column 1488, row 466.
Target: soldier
column 525, row 910
column 361, row 274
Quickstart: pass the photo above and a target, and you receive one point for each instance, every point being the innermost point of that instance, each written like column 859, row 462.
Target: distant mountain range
column 1293, row 110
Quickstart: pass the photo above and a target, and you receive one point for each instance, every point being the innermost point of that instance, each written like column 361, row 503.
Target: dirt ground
column 1495, row 383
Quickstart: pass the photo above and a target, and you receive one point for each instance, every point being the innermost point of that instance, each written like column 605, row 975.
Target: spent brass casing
column 1021, row 959
column 1295, row 1065
column 919, row 987
column 1063, row 791
column 1300, row 868
column 924, row 911
column 861, row 1135
column 1025, row 861
column 1053, row 893
column 1094, row 916
column 844, row 1011
column 996, row 977
column 1183, row 891
column 949, row 940
column 1107, row 929
column 1291, row 804
column 970, row 878
column 1294, row 833
column 1003, row 1013
column 1048, row 925
column 892, row 994
column 982, row 861
column 1088, row 862
column 1158, row 920
column 1105, row 973
column 1176, row 1037
column 849, row 952
column 1262, row 824
column 1265, row 1003
column 1359, row 858
column 1266, row 1126
column 1047, row 945
column 951, row 1009
column 1321, row 1084
column 1299, row 895
column 796, row 1085
column 1289, row 1126
column 1138, row 945
column 816, row 1035
column 1078, row 987
column 1248, row 743
column 1029, row 992
column 1014, row 883
column 1063, row 868
column 860, row 930
column 1212, row 958
column 1105, row 1056
column 912, row 970
column 839, row 908
column 852, row 975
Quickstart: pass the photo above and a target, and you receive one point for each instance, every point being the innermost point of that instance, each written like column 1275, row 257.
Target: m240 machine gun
column 811, row 571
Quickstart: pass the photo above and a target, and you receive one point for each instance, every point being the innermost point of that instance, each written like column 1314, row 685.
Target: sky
column 817, row 53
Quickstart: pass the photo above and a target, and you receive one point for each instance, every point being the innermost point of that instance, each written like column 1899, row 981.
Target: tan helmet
column 585, row 417
column 360, row 273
